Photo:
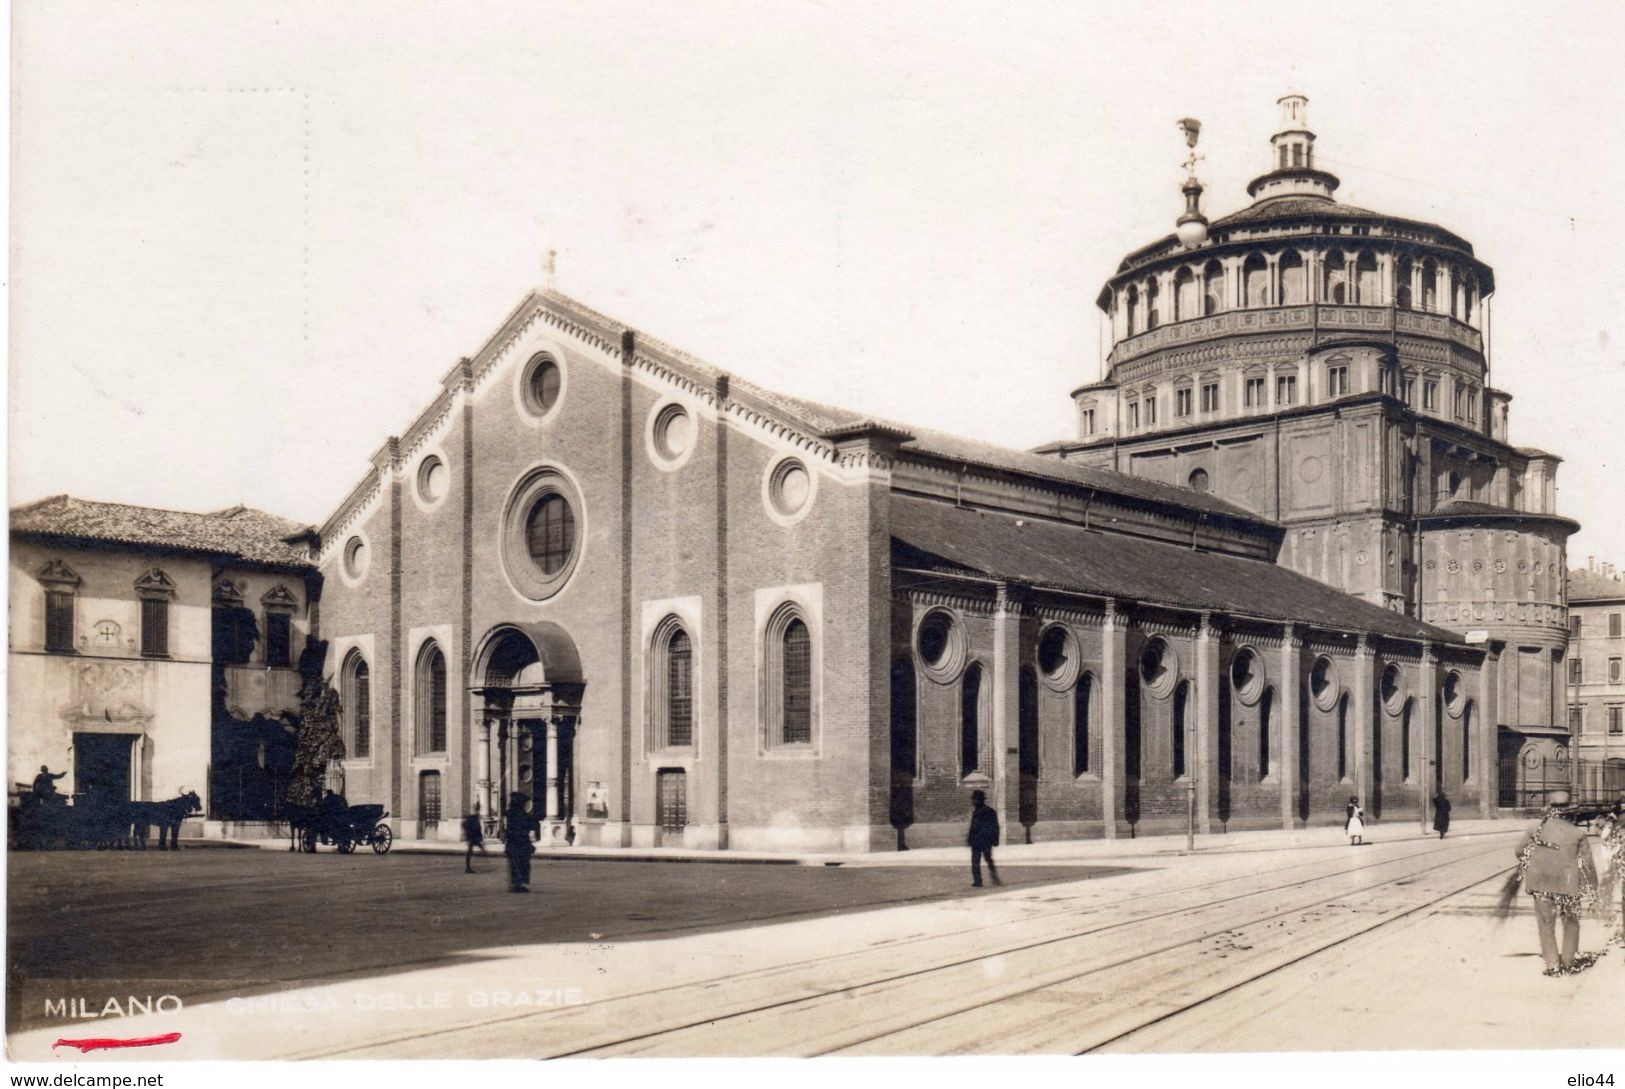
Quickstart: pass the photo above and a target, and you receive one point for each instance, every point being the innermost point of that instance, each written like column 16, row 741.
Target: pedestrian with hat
column 518, row 828
column 982, row 838
column 1557, row 873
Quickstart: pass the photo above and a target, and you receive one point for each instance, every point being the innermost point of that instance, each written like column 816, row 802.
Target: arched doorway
column 528, row 689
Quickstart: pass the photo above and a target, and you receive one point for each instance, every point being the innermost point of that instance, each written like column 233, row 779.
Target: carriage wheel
column 382, row 837
column 346, row 845
column 307, row 841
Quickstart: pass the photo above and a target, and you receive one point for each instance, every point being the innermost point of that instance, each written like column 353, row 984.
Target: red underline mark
column 100, row 1043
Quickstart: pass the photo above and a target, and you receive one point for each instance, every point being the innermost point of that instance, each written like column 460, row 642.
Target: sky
column 248, row 239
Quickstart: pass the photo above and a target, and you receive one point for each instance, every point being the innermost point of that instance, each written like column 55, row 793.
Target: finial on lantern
column 1192, row 226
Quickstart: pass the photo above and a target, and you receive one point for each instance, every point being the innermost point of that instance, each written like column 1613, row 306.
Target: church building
column 1288, row 559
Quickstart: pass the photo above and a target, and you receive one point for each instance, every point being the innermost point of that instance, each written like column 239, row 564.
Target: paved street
column 1269, row 942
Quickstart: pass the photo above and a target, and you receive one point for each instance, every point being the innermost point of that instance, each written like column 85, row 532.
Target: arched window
column 1469, row 296
column 430, row 710
column 1214, row 295
column 357, row 701
column 797, row 684
column 1338, row 289
column 1294, row 281
column 1343, row 738
column 970, row 715
column 1405, row 741
column 1082, row 693
column 679, row 690
column 1186, row 306
column 1367, row 281
column 1402, row 283
column 1136, row 322
column 1181, row 700
column 1255, row 279
column 1430, row 286
column 671, row 687
column 789, row 696
column 1266, row 704
column 1467, row 742
column 1153, row 316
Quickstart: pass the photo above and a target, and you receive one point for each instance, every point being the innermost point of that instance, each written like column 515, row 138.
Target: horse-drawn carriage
column 47, row 821
column 343, row 826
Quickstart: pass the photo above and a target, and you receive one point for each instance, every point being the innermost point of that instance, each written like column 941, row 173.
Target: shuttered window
column 58, row 620
column 278, row 639
column 155, row 627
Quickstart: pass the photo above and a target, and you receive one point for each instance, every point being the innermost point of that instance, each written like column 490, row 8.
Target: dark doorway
column 1305, row 731
column 1027, row 744
column 1226, row 754
column 428, row 802
column 101, row 769
column 904, row 747
column 1131, row 746
column 1378, row 720
column 673, row 800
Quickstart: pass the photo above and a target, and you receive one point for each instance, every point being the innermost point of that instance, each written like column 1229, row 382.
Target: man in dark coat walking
column 983, row 837
column 518, row 827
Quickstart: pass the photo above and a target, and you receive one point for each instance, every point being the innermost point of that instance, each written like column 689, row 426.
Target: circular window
column 673, row 433
column 1159, row 668
column 355, row 557
column 1058, row 658
column 1454, row 693
column 789, row 488
column 1323, row 683
column 1392, row 688
column 1199, row 479
column 432, row 477
column 1247, row 675
column 940, row 642
column 542, row 384
column 542, row 533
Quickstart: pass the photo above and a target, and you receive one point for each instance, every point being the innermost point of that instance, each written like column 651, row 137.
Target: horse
column 166, row 815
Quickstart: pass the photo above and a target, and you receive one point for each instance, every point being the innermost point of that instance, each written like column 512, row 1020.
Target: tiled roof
column 1586, row 585
column 817, row 419
column 1105, row 480
column 1296, row 208
column 239, row 531
column 1466, row 508
column 1049, row 554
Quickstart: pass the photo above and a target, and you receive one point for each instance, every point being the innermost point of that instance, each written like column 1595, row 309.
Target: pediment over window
column 279, row 597
column 58, row 575
column 227, row 592
column 155, row 584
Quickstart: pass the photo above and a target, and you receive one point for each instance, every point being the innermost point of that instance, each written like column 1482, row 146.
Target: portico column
column 1291, row 653
column 1112, row 642
column 1272, row 264
column 1417, row 295
column 1006, row 707
column 1207, row 704
column 1361, row 708
column 1235, row 290
column 552, row 768
column 484, row 784
column 1313, row 276
column 1385, row 282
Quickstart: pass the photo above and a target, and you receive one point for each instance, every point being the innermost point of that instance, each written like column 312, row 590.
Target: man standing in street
column 518, row 828
column 983, row 837
column 1557, row 873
